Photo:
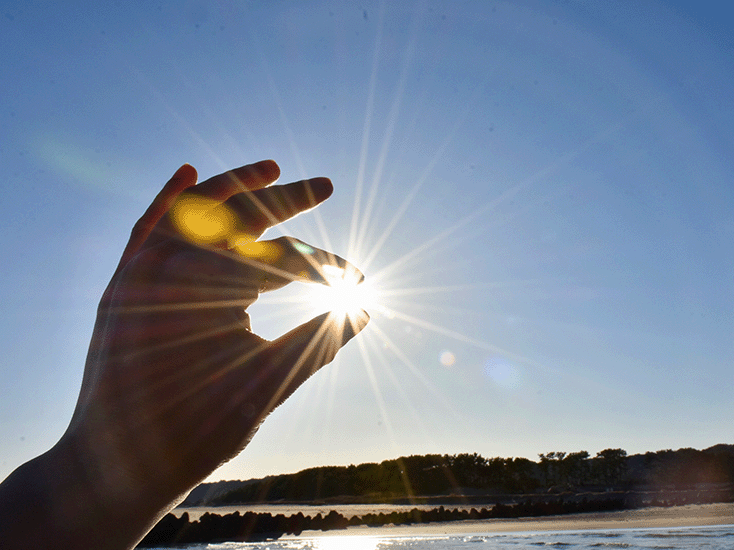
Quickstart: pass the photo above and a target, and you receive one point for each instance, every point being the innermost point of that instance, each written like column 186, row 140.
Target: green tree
column 575, row 467
column 550, row 466
column 610, row 466
column 469, row 470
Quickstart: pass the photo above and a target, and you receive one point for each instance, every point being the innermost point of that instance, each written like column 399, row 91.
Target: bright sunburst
column 393, row 289
column 344, row 295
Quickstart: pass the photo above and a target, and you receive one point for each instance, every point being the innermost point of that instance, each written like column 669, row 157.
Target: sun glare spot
column 303, row 248
column 334, row 273
column 262, row 250
column 202, row 220
column 343, row 294
column 356, row 542
column 447, row 358
column 502, row 372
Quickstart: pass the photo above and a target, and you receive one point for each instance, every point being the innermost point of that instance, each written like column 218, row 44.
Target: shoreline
column 692, row 515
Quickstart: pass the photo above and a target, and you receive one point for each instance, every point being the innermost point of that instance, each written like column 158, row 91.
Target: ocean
column 680, row 538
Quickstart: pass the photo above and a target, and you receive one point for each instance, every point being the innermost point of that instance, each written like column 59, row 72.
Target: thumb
column 298, row 354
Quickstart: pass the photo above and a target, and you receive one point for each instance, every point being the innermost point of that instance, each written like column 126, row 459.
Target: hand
column 176, row 383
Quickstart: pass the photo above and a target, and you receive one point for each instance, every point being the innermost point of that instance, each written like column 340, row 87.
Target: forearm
column 58, row 501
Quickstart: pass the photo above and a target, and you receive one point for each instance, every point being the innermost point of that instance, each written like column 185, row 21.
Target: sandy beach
column 678, row 516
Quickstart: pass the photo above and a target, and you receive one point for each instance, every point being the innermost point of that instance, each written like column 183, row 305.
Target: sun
column 344, row 294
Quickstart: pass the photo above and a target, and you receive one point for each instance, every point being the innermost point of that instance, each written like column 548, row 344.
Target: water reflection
column 347, row 542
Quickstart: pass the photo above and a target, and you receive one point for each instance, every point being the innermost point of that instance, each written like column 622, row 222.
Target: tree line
column 411, row 477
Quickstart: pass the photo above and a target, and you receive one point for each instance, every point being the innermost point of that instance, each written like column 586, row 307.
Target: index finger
column 245, row 178
column 263, row 208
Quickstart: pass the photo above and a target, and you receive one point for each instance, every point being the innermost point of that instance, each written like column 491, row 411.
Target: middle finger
column 263, row 208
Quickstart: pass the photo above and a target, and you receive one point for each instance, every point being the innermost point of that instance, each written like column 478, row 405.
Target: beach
column 644, row 518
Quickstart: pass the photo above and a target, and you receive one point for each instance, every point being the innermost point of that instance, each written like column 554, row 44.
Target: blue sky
column 543, row 192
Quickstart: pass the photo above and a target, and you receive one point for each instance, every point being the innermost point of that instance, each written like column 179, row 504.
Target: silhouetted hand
column 176, row 383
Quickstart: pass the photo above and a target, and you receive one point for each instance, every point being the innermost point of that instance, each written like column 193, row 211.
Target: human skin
column 176, row 383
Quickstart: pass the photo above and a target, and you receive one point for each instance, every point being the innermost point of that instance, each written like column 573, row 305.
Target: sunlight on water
column 347, row 543
column 676, row 538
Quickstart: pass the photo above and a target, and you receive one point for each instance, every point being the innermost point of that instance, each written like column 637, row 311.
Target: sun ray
column 402, row 209
column 458, row 336
column 505, row 196
column 180, row 119
column 450, row 135
column 369, row 369
column 327, row 346
column 366, row 128
column 331, row 384
column 433, row 308
column 392, row 119
column 445, row 234
column 238, row 361
column 414, row 370
column 192, row 389
column 323, row 391
column 182, row 340
column 374, row 344
column 383, row 409
column 402, row 292
column 295, row 150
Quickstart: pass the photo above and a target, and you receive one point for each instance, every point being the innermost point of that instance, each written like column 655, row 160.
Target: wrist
column 103, row 499
column 62, row 499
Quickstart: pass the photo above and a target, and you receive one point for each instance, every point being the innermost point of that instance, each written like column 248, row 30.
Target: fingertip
column 362, row 318
column 182, row 179
column 268, row 169
column 186, row 172
column 344, row 328
column 347, row 327
column 322, row 188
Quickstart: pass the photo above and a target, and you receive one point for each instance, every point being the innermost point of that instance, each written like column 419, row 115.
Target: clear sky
column 541, row 191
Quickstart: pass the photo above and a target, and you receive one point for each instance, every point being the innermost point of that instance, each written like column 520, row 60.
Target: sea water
column 681, row 538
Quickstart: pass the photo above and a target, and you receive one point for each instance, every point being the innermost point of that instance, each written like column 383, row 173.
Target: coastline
column 644, row 518
column 692, row 515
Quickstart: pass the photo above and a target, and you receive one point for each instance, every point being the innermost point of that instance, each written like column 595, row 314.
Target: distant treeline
column 260, row 526
column 408, row 479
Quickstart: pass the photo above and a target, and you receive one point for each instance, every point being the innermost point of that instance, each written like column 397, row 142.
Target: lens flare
column 503, row 372
column 202, row 220
column 262, row 250
column 447, row 358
